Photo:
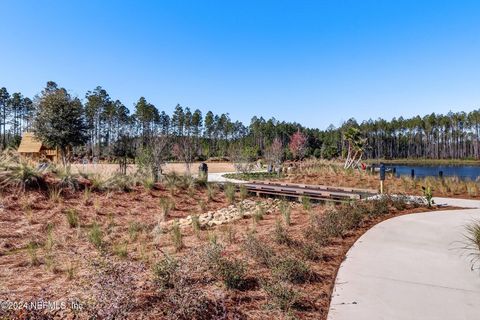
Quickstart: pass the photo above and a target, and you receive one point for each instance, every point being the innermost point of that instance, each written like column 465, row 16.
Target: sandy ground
column 106, row 168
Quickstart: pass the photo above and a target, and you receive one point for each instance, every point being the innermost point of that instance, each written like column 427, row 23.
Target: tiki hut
column 33, row 148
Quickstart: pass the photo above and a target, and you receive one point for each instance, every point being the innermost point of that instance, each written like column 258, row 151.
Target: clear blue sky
column 314, row 62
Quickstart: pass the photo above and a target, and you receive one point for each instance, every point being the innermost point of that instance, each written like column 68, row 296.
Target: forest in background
column 109, row 130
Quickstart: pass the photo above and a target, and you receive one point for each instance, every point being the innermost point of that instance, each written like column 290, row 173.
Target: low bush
column 259, row 251
column 164, row 272
column 292, row 270
column 280, row 234
column 280, row 295
column 230, row 270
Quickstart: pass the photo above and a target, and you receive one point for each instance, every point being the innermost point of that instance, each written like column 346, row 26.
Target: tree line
column 107, row 129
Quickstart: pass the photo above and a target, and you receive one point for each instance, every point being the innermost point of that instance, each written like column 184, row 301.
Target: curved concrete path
column 410, row 268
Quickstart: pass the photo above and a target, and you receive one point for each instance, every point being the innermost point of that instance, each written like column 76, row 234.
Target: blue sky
column 314, row 62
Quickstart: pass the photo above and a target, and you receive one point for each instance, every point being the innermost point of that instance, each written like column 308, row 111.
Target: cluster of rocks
column 245, row 208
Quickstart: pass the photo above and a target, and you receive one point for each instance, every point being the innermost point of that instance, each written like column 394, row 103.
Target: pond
column 462, row 171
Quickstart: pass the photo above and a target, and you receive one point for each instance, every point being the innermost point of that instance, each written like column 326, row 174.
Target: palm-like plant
column 356, row 144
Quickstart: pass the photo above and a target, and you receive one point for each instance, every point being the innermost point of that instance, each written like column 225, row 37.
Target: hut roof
column 29, row 144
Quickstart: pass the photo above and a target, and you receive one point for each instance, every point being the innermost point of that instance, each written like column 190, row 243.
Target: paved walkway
column 410, row 268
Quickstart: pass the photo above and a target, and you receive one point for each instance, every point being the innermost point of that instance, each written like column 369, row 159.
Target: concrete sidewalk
column 410, row 267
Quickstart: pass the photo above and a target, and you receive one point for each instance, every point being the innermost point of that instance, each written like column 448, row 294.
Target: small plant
column 32, row 248
column 196, row 224
column 72, row 217
column 229, row 233
column 312, row 251
column 164, row 272
column 230, row 271
column 259, row 213
column 211, row 191
column 230, row 192
column 306, row 203
column 148, row 183
column 281, row 295
column 281, row 235
column 87, row 196
column 177, row 237
column 212, row 237
column 70, row 270
column 202, row 205
column 286, row 211
column 171, row 182
column 133, row 229
column 428, row 194
column 167, row 205
column 55, row 194
column 95, row 235
column 472, row 245
column 292, row 270
column 259, row 251
column 243, row 192
column 121, row 249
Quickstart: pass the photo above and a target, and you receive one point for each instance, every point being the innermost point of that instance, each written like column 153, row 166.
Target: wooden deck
column 314, row 192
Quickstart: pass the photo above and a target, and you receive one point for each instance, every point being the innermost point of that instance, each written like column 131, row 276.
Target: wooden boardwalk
column 314, row 192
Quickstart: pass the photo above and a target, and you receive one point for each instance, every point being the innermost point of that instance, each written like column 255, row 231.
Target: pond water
column 461, row 171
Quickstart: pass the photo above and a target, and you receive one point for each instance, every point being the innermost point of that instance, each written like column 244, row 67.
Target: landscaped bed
column 103, row 251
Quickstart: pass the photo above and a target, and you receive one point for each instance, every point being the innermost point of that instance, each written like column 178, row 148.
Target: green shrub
column 55, row 194
column 286, row 211
column 211, row 191
column 196, row 223
column 95, row 236
column 72, row 217
column 167, row 205
column 119, row 182
column 177, row 236
column 292, row 270
column 281, row 234
column 230, row 192
column 32, row 248
column 259, row 251
column 332, row 224
column 306, row 203
column 243, row 192
column 312, row 251
column 164, row 272
column 148, row 183
column 428, row 194
column 281, row 295
column 230, row 271
column 133, row 229
column 121, row 249
column 399, row 202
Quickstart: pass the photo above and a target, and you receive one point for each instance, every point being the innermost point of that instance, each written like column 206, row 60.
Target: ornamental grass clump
column 177, row 236
column 472, row 244
column 230, row 192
